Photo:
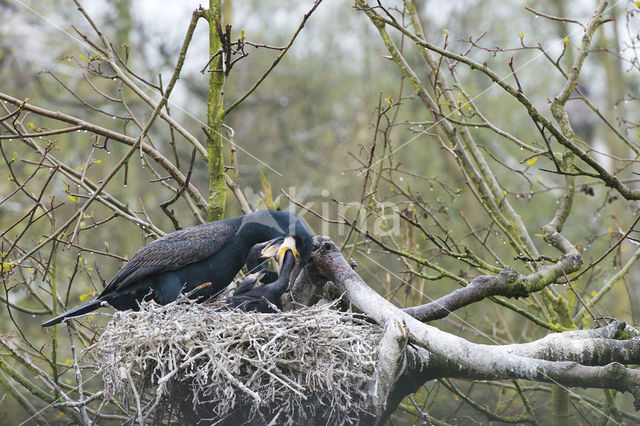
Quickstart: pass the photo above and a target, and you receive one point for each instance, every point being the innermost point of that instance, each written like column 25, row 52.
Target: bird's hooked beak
column 288, row 244
column 278, row 247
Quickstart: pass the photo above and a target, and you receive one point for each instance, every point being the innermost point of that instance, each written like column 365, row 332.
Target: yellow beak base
column 289, row 243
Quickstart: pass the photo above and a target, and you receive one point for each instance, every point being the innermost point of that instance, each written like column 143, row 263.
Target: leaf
column 83, row 58
column 83, row 296
column 72, row 198
column 521, row 36
column 266, row 188
column 31, row 126
column 7, row 266
column 532, row 161
column 97, row 162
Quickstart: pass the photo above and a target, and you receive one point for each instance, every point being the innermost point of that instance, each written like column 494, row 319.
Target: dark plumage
column 249, row 282
column 181, row 261
column 258, row 262
column 250, row 298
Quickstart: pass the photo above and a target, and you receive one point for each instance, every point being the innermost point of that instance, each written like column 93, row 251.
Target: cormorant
column 181, row 261
column 258, row 262
column 260, row 299
column 249, row 282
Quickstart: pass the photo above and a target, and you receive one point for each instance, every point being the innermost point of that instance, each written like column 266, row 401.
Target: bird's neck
column 280, row 285
column 260, row 226
column 256, row 233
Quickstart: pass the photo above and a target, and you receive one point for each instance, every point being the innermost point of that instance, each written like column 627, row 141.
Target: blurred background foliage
column 307, row 129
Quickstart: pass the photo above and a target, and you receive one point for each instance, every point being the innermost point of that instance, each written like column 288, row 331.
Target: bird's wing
column 174, row 251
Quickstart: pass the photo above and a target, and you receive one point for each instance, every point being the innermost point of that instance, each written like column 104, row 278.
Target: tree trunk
column 215, row 114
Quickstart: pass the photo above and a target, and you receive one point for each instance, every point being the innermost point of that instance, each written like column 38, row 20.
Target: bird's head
column 290, row 233
column 278, row 247
column 248, row 283
column 303, row 241
column 297, row 237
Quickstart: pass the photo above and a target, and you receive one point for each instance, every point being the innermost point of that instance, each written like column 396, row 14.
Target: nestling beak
column 271, row 248
column 255, row 277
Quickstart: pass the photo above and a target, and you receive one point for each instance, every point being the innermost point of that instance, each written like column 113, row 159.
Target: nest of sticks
column 195, row 363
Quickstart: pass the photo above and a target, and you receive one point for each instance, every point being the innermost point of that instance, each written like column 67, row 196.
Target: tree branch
column 452, row 356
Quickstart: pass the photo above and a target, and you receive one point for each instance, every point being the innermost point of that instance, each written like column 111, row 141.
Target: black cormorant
column 258, row 262
column 183, row 260
column 260, row 299
column 249, row 282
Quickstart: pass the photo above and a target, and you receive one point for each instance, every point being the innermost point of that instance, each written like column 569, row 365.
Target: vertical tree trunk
column 560, row 394
column 121, row 21
column 559, row 405
column 215, row 115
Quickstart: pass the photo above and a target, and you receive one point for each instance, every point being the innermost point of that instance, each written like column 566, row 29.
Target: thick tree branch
column 507, row 283
column 452, row 356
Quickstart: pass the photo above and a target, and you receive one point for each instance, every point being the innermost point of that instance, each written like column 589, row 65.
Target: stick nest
column 192, row 363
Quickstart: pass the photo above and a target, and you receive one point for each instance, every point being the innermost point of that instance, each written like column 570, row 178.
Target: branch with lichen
column 594, row 359
column 507, row 283
column 216, row 199
column 551, row 231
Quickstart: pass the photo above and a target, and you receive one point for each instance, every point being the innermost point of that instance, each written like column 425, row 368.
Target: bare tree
column 45, row 226
column 518, row 248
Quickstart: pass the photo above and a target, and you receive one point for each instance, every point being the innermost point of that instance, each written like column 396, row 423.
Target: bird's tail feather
column 82, row 309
